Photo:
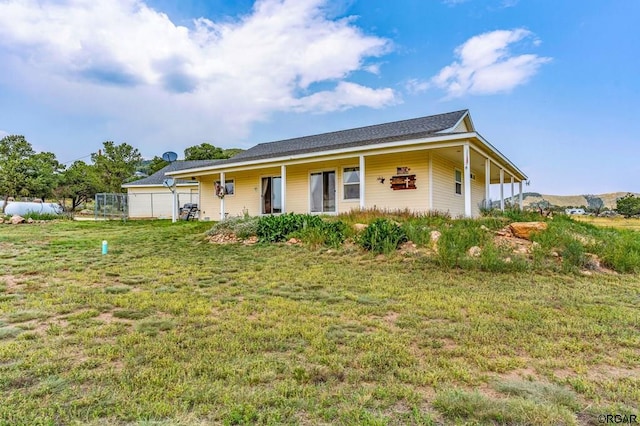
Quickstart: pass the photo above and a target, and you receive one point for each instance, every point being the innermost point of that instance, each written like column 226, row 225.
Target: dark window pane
column 352, row 192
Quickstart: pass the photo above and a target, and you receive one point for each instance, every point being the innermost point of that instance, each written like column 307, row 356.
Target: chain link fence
column 110, row 206
column 140, row 205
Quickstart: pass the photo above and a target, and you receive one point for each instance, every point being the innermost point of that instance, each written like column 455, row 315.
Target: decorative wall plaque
column 403, row 182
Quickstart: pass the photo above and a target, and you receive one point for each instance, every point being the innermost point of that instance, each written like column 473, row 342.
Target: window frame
column 344, row 183
column 457, row 184
column 226, row 182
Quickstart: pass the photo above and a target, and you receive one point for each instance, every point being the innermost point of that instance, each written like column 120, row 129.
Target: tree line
column 25, row 173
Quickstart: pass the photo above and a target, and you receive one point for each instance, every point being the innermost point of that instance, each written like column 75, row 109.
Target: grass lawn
column 169, row 329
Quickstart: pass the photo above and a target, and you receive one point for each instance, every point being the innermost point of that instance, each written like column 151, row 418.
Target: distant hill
column 608, row 199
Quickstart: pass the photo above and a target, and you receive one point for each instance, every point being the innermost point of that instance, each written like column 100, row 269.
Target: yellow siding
column 477, row 193
column 247, row 197
column 209, row 203
column 444, row 195
column 381, row 196
column 462, row 127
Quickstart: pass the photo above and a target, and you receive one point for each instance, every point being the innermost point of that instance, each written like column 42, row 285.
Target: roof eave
column 460, row 120
column 153, row 185
column 500, row 155
column 309, row 155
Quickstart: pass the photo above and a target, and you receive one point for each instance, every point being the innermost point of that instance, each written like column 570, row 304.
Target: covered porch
column 454, row 176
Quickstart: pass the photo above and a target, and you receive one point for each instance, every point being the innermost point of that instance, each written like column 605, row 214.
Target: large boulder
column 524, row 229
column 15, row 219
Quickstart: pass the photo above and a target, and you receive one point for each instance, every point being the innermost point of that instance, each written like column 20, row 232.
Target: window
column 271, row 195
column 458, row 178
column 351, row 183
column 229, row 186
column 323, row 192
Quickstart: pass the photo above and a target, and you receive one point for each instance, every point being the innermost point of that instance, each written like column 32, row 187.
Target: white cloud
column 343, row 97
column 3, row 134
column 415, row 85
column 153, row 79
column 485, row 65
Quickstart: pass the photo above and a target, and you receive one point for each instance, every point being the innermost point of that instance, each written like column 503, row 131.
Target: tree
column 156, row 164
column 206, row 151
column 114, row 164
column 595, row 204
column 23, row 172
column 43, row 174
column 231, row 152
column 80, row 183
column 628, row 206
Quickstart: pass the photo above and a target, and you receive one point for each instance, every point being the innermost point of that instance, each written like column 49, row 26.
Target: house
column 438, row 162
column 150, row 198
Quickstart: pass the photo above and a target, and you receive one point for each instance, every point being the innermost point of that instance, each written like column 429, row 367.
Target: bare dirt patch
column 12, row 282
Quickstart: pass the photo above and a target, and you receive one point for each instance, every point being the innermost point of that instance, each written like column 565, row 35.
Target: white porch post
column 513, row 194
column 222, row 198
column 467, row 180
column 283, row 187
column 502, row 189
column 487, row 183
column 520, row 195
column 430, row 181
column 361, row 173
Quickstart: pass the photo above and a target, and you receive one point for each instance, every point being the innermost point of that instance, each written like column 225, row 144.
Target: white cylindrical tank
column 22, row 208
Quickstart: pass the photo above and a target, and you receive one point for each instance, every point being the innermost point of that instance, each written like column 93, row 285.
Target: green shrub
column 456, row 239
column 494, row 259
column 272, row 229
column 382, row 236
column 620, row 250
column 325, row 233
column 43, row 216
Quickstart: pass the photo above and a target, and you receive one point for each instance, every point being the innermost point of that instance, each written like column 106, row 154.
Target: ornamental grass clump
column 382, row 236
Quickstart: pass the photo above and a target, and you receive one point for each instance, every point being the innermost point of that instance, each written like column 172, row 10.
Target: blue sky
column 554, row 85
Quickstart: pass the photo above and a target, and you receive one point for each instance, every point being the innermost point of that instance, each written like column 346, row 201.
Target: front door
column 323, row 192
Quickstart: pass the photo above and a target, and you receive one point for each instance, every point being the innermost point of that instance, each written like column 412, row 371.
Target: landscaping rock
column 435, row 236
column 293, row 241
column 360, row 226
column 593, row 262
column 408, row 247
column 15, row 219
column 30, row 220
column 474, row 251
column 484, row 228
column 1, row 219
column 250, row 241
column 505, row 232
column 524, row 229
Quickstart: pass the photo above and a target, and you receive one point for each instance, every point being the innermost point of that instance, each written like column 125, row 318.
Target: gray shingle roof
column 158, row 177
column 362, row 136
